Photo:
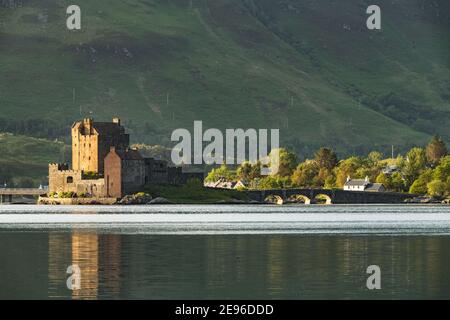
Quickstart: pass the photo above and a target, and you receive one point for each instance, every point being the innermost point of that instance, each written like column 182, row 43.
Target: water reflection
column 92, row 256
column 221, row 266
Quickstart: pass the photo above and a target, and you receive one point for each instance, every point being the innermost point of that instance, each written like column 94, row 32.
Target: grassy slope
column 168, row 63
column 25, row 157
column 194, row 194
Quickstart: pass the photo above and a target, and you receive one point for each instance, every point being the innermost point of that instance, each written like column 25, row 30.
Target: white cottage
column 363, row 185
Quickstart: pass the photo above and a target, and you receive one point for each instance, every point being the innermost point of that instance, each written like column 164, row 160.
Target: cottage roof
column 357, row 182
column 375, row 187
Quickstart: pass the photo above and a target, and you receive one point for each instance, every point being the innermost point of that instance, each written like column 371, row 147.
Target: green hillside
column 24, row 160
column 310, row 68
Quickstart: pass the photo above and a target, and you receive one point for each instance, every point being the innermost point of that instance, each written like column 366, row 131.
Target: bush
column 437, row 188
column 141, row 195
column 420, row 185
column 67, row 195
column 90, row 175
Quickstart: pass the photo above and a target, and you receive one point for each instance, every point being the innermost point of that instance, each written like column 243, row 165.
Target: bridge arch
column 322, row 198
column 298, row 198
column 274, row 199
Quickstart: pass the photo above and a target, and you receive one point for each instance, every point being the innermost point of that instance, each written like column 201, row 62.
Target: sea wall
column 76, row 201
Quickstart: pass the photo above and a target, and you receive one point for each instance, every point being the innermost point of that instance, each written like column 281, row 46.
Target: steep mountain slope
column 310, row 68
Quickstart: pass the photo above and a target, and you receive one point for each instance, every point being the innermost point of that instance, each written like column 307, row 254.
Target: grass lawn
column 193, row 194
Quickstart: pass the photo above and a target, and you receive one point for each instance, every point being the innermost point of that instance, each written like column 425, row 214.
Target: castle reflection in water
column 91, row 255
column 245, row 266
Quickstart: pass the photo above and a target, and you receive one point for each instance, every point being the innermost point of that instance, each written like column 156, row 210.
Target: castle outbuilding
column 104, row 165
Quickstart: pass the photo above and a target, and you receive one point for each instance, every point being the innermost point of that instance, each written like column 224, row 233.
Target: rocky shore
column 427, row 200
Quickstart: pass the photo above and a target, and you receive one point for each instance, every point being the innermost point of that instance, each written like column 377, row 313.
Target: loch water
column 225, row 251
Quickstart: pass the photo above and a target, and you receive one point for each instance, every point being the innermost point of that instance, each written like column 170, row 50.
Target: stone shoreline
column 159, row 200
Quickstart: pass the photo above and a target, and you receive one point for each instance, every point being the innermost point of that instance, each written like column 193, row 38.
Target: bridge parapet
column 332, row 196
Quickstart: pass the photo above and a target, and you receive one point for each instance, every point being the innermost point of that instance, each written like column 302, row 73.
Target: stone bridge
column 309, row 196
column 10, row 192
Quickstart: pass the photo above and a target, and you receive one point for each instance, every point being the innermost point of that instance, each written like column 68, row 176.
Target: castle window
column 69, row 179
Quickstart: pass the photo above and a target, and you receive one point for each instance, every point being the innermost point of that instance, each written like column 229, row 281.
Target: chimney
column 116, row 120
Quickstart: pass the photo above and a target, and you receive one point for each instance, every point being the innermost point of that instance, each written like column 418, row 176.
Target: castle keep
column 104, row 165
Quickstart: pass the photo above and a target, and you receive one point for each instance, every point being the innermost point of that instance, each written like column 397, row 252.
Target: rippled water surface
column 219, row 252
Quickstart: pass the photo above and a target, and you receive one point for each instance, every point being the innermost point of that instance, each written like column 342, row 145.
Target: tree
column 386, row 180
column 442, row 171
column 374, row 158
column 414, row 165
column 287, row 162
column 448, row 185
column 273, row 182
column 436, row 149
column 398, row 183
column 437, row 188
column 305, row 173
column 222, row 172
column 347, row 168
column 321, row 177
column 330, row 182
column 420, row 185
column 326, row 158
column 248, row 171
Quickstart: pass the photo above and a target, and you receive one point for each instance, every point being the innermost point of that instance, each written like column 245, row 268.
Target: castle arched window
column 69, row 179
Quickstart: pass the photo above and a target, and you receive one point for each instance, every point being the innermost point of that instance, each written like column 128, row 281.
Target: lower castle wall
column 72, row 181
column 77, row 201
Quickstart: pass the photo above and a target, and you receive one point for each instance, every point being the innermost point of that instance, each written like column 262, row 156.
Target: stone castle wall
column 61, row 180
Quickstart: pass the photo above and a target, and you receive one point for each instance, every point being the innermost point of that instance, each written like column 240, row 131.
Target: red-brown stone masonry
column 113, row 175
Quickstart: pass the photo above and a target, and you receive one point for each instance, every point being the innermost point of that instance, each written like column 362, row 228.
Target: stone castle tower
column 92, row 141
column 103, row 148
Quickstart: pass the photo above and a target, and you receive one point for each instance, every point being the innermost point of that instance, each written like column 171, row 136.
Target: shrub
column 66, row 195
column 437, row 188
column 90, row 175
column 141, row 195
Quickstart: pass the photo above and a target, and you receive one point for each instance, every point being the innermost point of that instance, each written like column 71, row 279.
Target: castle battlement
column 62, row 168
column 58, row 166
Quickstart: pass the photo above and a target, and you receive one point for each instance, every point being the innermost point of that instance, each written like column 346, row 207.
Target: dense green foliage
column 412, row 173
